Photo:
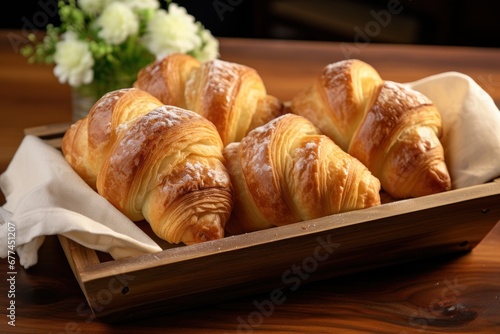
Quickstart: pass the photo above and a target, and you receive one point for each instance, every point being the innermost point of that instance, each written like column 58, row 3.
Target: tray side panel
column 79, row 258
column 281, row 266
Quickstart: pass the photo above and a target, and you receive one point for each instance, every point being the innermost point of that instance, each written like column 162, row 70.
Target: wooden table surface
column 451, row 294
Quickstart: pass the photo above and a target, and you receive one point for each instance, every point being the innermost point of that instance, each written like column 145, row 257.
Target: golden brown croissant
column 394, row 130
column 155, row 162
column 230, row 95
column 287, row 171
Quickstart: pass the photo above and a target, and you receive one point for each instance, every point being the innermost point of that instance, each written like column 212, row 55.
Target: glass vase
column 85, row 96
column 81, row 102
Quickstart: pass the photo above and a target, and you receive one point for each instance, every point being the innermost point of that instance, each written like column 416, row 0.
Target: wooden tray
column 278, row 260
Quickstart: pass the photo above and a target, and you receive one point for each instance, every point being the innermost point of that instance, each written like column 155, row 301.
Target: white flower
column 93, row 6
column 117, row 23
column 73, row 61
column 142, row 4
column 210, row 47
column 175, row 31
column 155, row 32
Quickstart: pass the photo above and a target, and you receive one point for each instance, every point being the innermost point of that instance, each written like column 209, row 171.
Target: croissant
column 393, row 130
column 230, row 95
column 286, row 171
column 155, row 162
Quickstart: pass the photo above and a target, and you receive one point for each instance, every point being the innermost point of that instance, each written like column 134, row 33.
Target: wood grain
column 448, row 294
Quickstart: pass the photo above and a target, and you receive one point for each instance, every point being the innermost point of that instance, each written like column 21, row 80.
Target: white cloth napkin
column 44, row 196
column 471, row 123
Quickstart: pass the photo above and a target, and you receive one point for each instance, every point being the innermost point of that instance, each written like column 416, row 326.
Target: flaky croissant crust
column 230, row 95
column 154, row 161
column 394, row 130
column 287, row 171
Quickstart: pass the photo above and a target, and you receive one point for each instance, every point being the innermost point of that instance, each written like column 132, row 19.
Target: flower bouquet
column 101, row 45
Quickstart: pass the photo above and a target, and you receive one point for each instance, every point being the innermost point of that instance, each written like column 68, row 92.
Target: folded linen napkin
column 44, row 196
column 471, row 122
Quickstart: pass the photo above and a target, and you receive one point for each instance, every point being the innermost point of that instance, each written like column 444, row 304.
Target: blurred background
column 445, row 22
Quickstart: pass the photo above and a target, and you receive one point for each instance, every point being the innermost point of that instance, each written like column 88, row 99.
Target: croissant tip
column 440, row 177
column 435, row 180
column 206, row 229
